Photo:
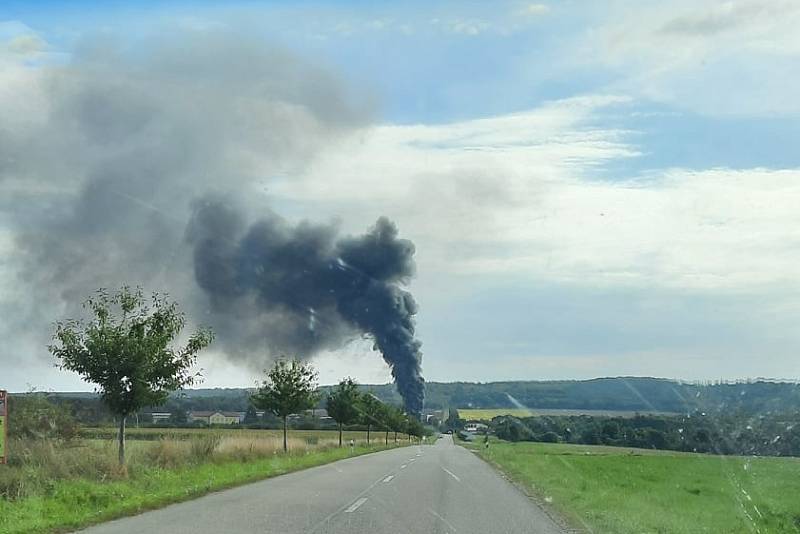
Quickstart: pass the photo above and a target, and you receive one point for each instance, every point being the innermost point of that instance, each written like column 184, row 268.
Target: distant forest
column 771, row 434
column 622, row 394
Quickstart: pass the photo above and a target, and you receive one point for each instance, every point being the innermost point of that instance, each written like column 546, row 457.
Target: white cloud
column 718, row 58
column 535, row 9
column 518, row 194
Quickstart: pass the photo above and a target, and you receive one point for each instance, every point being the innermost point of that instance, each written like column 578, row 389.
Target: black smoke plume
column 303, row 289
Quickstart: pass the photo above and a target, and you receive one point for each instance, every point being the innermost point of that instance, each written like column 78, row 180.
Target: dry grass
column 154, row 434
column 37, row 464
column 53, row 488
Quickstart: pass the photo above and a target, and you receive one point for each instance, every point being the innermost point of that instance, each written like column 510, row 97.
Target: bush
column 34, row 416
column 549, row 437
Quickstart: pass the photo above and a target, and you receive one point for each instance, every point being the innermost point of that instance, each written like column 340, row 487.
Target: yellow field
column 487, row 414
column 468, row 414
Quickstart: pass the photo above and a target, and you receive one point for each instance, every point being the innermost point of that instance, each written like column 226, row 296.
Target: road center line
column 327, row 518
column 353, row 507
column 445, row 521
column 451, row 474
column 389, row 478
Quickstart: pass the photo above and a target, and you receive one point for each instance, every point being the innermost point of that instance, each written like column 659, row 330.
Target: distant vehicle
column 475, row 427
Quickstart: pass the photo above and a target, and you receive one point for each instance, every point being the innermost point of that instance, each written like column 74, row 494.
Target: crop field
column 621, row 490
column 488, row 414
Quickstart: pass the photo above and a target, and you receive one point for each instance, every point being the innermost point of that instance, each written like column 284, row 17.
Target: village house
column 217, row 418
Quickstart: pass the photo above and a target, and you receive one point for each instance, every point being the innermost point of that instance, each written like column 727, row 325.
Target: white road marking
column 327, row 518
column 353, row 507
column 445, row 521
column 389, row 478
column 412, row 459
column 403, row 466
column 451, row 474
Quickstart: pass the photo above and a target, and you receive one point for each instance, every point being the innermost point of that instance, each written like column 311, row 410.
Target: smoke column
column 301, row 289
column 105, row 159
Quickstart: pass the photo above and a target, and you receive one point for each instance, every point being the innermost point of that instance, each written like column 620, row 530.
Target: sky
column 592, row 189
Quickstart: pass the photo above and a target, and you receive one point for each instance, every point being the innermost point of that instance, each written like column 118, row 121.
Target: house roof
column 209, row 414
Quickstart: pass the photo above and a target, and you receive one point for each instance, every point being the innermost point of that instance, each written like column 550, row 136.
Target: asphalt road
column 437, row 489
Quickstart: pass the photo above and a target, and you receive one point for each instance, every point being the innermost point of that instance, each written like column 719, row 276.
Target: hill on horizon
column 645, row 394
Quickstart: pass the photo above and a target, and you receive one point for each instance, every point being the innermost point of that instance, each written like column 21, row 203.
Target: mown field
column 54, row 485
column 619, row 490
column 489, row 413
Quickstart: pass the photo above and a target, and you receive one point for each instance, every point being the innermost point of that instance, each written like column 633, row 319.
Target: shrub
column 549, row 437
column 34, row 416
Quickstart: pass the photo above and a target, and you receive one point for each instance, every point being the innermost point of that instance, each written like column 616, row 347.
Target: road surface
column 438, row 489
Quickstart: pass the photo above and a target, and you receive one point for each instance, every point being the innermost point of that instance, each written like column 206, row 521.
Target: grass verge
column 69, row 504
column 620, row 490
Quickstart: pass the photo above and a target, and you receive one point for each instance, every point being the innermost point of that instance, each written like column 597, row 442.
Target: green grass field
column 618, row 490
column 489, row 413
column 53, row 486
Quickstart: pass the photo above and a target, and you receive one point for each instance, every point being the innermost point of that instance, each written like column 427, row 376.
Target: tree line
column 127, row 349
column 291, row 387
column 630, row 394
column 735, row 433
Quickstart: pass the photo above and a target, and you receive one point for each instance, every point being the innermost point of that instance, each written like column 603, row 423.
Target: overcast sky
column 593, row 189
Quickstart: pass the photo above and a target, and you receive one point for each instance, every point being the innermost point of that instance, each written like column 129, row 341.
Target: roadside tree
column 342, row 404
column 290, row 388
column 453, row 421
column 395, row 420
column 126, row 350
column 370, row 411
column 415, row 427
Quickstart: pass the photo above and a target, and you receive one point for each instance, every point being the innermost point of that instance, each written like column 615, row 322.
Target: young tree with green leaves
column 290, row 387
column 370, row 411
column 454, row 421
column 384, row 421
column 250, row 416
column 126, row 349
column 342, row 404
column 396, row 420
column 415, row 427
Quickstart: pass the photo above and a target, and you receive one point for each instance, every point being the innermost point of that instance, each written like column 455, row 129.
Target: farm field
column 622, row 490
column 55, row 485
column 489, row 413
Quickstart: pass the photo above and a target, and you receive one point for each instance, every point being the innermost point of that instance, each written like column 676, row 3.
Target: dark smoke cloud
column 99, row 176
column 300, row 289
